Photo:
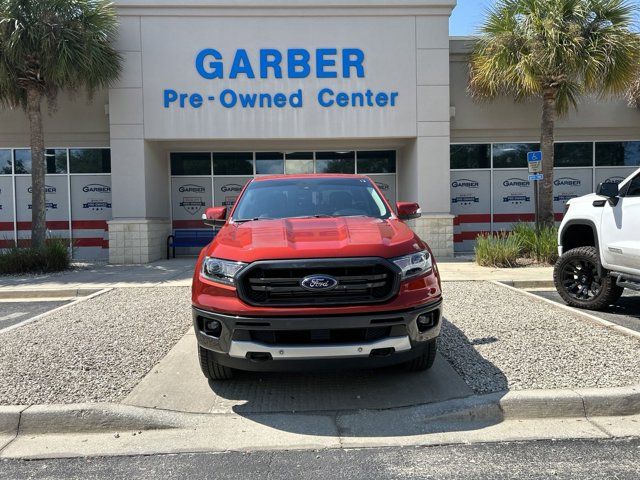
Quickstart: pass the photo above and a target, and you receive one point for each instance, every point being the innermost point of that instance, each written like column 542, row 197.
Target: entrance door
column 621, row 229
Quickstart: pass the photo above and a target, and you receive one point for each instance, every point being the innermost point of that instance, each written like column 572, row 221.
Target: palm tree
column 557, row 51
column 47, row 47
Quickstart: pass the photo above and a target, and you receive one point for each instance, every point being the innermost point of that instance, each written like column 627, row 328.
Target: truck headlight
column 414, row 264
column 222, row 271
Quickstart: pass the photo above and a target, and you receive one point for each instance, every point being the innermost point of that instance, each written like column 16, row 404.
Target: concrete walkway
column 178, row 272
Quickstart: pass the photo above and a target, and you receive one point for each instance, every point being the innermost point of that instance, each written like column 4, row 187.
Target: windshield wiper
column 254, row 219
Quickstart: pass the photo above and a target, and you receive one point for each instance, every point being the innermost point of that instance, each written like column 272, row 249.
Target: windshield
column 312, row 197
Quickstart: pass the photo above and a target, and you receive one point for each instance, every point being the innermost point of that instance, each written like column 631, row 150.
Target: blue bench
column 189, row 238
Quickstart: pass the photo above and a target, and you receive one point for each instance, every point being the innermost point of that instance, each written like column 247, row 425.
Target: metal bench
column 189, row 238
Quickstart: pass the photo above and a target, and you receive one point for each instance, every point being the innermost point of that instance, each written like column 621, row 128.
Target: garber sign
column 270, row 63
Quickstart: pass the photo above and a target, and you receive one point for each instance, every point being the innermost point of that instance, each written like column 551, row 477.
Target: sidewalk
column 178, row 272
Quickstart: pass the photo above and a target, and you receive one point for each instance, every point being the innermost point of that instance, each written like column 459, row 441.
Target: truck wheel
column 212, row 369
column 580, row 285
column 424, row 361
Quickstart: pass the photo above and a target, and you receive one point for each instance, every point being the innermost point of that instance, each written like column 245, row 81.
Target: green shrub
column 542, row 247
column 497, row 250
column 53, row 257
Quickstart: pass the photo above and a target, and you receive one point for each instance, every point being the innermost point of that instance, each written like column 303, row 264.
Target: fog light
column 212, row 327
column 425, row 321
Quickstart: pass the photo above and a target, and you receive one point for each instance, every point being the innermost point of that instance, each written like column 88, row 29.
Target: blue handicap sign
column 536, row 177
column 534, row 157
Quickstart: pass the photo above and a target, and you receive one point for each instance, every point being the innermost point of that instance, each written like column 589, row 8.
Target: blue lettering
column 280, row 100
column 195, row 100
column 214, row 69
column 248, row 100
column 342, row 99
column 296, row 99
column 321, row 97
column 352, row 58
column 322, row 63
column 265, row 99
column 298, row 63
column 228, row 98
column 241, row 65
column 170, row 96
column 270, row 58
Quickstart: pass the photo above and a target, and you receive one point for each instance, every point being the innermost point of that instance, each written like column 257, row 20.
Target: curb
column 491, row 408
column 17, row 293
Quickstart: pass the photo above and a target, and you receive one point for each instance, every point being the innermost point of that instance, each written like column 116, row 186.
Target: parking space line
column 11, row 316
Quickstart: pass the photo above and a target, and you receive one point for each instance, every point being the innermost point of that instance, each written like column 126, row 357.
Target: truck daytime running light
column 221, row 271
column 414, row 264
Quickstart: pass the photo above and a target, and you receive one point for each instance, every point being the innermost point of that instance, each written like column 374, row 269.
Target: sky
column 468, row 15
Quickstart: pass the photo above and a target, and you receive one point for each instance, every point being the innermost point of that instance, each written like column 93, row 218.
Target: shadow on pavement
column 387, row 402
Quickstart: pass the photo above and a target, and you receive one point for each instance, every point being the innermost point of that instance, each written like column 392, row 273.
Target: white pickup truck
column 599, row 245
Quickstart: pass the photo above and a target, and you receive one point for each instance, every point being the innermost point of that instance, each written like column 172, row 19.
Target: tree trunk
column 38, row 169
column 546, row 145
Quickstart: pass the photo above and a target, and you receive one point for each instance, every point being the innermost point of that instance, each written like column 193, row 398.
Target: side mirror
column 215, row 216
column 609, row 190
column 408, row 210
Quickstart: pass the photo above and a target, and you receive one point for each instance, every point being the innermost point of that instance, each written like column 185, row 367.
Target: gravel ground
column 500, row 340
column 94, row 351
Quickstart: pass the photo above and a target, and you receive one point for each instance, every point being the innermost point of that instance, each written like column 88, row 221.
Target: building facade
column 215, row 92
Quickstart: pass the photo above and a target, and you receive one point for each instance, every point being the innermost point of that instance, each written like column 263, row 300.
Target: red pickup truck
column 314, row 271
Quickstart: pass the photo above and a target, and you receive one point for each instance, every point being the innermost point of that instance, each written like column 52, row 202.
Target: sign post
column 534, row 160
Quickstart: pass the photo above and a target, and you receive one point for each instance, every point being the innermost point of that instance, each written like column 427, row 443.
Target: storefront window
column 470, row 156
column 233, row 163
column 22, row 160
column 56, row 160
column 512, row 155
column 618, row 154
column 90, row 160
column 377, row 162
column 5, row 162
column 299, row 162
column 573, row 154
column 269, row 163
column 335, row 162
column 190, row 163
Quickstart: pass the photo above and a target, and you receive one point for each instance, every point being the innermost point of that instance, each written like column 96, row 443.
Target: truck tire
column 580, row 285
column 212, row 369
column 424, row 361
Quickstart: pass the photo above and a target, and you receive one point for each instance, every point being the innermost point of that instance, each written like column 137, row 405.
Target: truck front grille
column 279, row 283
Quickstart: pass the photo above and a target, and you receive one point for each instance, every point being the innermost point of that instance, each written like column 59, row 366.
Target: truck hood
column 589, row 198
column 314, row 238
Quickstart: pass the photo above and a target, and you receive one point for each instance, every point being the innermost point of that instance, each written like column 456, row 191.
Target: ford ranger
column 314, row 271
column 599, row 245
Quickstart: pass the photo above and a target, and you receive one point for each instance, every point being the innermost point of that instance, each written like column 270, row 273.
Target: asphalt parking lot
column 12, row 313
column 626, row 311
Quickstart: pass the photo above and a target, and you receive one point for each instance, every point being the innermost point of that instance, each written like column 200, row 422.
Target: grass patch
column 541, row 246
column 53, row 257
column 501, row 250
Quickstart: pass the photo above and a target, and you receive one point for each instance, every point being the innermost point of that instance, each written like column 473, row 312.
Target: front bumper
column 235, row 347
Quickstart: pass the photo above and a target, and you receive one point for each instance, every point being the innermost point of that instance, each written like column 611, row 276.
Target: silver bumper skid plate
column 240, row 349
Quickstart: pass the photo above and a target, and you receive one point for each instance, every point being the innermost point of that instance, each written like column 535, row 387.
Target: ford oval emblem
column 318, row 283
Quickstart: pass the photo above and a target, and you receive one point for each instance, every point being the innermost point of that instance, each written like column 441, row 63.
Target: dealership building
column 215, row 92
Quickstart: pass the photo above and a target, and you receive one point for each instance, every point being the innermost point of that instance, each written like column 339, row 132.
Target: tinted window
column 90, row 160
column 190, row 163
column 634, row 187
column 269, row 163
column 512, row 155
column 234, row 163
column 5, row 162
column 470, row 156
column 335, row 162
column 377, row 162
column 22, row 160
column 573, row 154
column 341, row 197
column 614, row 154
column 56, row 161
column 299, row 162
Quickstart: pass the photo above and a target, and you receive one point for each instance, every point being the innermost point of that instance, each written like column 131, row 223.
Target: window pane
column 633, row 190
column 614, row 154
column 470, row 156
column 335, row 162
column 5, row 162
column 56, row 160
column 90, row 160
column 512, row 155
column 299, row 166
column 22, row 159
column 299, row 155
column 269, row 163
column 377, row 162
column 234, row 163
column 573, row 154
column 190, row 163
